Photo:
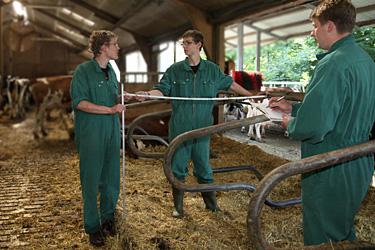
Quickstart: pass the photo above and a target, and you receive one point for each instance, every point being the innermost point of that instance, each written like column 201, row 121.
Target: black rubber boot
column 211, row 203
column 178, row 199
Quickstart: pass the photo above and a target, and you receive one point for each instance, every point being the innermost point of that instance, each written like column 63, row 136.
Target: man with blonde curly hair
column 94, row 92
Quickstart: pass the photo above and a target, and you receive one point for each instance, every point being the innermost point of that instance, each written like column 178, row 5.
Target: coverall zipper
column 194, row 96
column 113, row 123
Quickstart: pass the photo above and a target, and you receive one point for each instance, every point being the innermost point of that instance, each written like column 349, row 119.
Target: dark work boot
column 178, row 199
column 211, row 203
column 108, row 228
column 96, row 239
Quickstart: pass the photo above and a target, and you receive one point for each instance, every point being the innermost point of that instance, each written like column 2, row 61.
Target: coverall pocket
column 209, row 89
column 100, row 92
column 115, row 90
column 179, row 87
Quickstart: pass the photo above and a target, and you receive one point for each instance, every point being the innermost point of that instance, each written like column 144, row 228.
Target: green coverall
column 180, row 81
column 98, row 143
column 338, row 111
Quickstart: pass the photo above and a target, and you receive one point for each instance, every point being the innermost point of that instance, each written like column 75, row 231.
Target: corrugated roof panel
column 283, row 19
column 365, row 16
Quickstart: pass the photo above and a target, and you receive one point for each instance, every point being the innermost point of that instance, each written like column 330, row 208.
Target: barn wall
column 46, row 58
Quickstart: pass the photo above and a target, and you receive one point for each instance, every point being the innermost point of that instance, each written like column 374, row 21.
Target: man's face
column 112, row 49
column 189, row 46
column 319, row 32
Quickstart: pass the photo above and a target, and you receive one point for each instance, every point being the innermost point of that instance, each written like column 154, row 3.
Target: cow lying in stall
column 153, row 126
column 51, row 93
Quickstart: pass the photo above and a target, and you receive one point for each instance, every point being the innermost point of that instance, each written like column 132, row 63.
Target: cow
column 15, row 96
column 249, row 80
column 2, row 93
column 234, row 111
column 251, row 111
column 153, row 126
column 51, row 93
column 259, row 128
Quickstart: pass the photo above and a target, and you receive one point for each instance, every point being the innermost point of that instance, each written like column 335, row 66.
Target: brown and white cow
column 50, row 93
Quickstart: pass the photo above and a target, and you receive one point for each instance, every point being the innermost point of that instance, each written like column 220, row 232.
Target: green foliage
column 366, row 39
column 294, row 60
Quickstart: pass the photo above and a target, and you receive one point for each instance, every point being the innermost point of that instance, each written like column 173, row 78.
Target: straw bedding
column 44, row 206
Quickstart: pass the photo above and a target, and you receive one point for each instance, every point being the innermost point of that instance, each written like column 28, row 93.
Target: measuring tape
column 198, row 98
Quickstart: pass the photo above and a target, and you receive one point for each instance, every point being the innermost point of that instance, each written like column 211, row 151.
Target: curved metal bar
column 238, row 168
column 130, row 137
column 150, row 138
column 199, row 133
column 133, row 126
column 137, row 128
column 268, row 202
column 167, row 165
column 294, row 168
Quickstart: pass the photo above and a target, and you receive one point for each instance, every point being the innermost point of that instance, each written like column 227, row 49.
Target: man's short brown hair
column 98, row 38
column 196, row 35
column 341, row 12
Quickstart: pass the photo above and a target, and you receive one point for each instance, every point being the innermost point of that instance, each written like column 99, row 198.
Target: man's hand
column 285, row 122
column 118, row 108
column 141, row 98
column 282, row 105
column 127, row 97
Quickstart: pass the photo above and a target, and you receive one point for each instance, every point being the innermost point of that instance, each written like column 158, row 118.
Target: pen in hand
column 277, row 100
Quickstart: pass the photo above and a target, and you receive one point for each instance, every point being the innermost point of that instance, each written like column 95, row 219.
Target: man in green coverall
column 94, row 92
column 192, row 77
column 338, row 111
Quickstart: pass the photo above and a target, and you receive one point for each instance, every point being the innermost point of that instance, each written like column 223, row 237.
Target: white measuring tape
column 199, row 98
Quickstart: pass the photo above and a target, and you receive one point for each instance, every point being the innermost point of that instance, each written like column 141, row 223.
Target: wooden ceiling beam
column 242, row 12
column 76, row 45
column 81, row 31
column 141, row 41
column 99, row 13
column 133, row 12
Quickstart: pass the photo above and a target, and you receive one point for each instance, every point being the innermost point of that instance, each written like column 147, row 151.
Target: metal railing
column 295, row 168
column 259, row 198
column 296, row 85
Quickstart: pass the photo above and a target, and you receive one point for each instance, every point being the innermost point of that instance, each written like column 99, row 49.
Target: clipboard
column 273, row 115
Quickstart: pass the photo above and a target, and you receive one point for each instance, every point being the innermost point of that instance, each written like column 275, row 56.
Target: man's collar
column 336, row 45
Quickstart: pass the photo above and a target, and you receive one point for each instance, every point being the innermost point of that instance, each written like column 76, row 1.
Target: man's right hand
column 141, row 98
column 282, row 105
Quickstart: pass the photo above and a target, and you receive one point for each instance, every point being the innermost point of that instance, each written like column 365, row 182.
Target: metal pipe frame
column 130, row 137
column 133, row 126
column 167, row 165
column 216, row 187
column 294, row 168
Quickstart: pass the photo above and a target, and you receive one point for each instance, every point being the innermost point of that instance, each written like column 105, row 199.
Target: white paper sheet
column 275, row 116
